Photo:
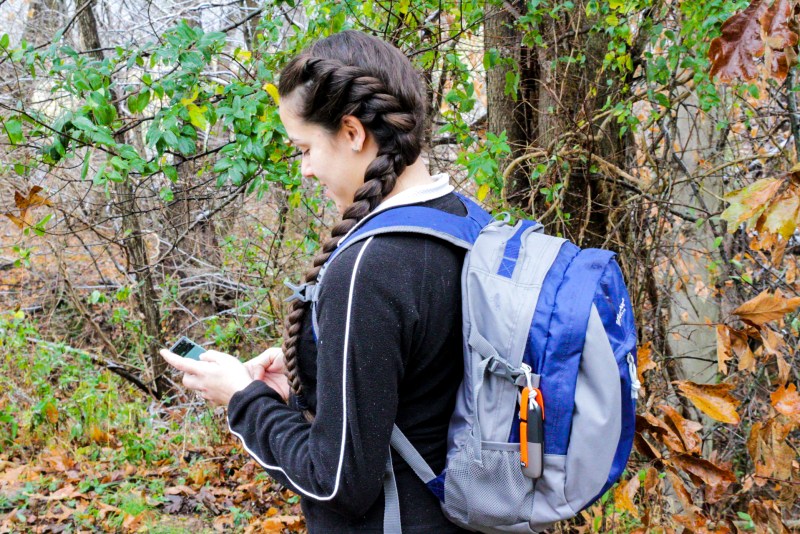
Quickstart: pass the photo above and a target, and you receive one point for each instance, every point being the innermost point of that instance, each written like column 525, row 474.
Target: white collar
column 439, row 187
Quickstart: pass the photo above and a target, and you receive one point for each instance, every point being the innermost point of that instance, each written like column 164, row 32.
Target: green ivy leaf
column 14, row 131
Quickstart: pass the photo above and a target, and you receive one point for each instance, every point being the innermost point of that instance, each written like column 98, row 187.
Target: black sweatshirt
column 397, row 360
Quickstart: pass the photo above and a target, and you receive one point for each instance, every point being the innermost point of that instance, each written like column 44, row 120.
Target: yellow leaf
column 196, row 116
column 243, row 55
column 714, row 400
column 483, row 190
column 624, row 494
column 766, row 307
column 781, row 215
column 273, row 92
column 786, row 400
column 187, row 101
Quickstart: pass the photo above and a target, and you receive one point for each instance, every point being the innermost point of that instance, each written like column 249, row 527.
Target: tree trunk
column 45, row 17
column 505, row 113
column 133, row 243
column 693, row 299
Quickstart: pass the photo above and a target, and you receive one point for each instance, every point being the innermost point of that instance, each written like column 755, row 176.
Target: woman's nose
column 305, row 168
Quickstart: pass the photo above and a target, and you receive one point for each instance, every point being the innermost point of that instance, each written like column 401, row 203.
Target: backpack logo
column 621, row 313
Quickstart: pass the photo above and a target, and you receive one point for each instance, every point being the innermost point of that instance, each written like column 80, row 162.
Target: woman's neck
column 414, row 175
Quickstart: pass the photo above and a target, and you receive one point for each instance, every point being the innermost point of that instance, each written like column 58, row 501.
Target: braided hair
column 352, row 73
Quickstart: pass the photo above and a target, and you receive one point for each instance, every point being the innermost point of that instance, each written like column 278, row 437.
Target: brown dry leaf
column 775, row 24
column 644, row 359
column 711, row 477
column 624, row 494
column 67, row 492
column 786, row 401
column 741, row 348
column 686, row 429
column 769, row 451
column 98, row 435
column 644, row 447
column 20, row 222
column 179, row 490
column 51, row 412
column 750, row 201
column 784, row 369
column 13, row 474
column 723, row 348
column 651, row 480
column 767, row 517
column 714, row 400
column 24, row 203
column 772, row 341
column 57, row 459
column 766, row 307
column 681, row 492
column 732, row 53
column 663, row 432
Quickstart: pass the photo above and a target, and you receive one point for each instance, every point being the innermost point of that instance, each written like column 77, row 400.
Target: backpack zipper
column 635, row 384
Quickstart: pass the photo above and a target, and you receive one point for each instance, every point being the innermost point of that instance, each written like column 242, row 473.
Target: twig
column 794, row 117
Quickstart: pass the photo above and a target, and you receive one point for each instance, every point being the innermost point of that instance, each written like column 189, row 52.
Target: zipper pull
column 635, row 384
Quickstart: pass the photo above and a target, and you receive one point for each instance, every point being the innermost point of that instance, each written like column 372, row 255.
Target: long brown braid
column 352, row 73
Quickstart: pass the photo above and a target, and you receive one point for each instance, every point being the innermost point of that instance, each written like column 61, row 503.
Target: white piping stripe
column 344, row 399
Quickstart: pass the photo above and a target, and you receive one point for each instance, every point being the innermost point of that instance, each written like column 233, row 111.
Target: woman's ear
column 354, row 132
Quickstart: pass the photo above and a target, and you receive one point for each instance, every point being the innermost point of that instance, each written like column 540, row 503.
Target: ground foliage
column 178, row 112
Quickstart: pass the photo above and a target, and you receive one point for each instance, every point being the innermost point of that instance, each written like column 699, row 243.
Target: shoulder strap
column 461, row 231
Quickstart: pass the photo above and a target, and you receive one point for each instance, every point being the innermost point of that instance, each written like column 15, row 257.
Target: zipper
column 635, row 384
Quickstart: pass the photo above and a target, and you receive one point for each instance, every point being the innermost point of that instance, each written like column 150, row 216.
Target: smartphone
column 187, row 348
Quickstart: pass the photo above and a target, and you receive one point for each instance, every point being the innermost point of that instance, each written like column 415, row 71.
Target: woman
column 389, row 312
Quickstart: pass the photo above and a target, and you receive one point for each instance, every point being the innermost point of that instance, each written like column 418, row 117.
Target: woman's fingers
column 187, row 365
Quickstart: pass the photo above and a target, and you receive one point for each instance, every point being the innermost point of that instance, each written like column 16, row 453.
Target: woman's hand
column 270, row 368
column 217, row 376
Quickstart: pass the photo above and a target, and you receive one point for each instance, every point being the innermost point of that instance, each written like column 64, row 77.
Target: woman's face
column 328, row 157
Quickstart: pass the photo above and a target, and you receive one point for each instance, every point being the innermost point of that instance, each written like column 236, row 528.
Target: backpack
column 544, row 417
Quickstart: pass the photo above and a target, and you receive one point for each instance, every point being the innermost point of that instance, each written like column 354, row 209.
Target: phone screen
column 187, row 348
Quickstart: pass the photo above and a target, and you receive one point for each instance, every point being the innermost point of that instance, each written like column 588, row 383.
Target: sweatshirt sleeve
column 368, row 312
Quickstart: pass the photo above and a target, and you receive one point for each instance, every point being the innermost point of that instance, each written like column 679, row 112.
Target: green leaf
column 38, row 228
column 223, row 165
column 83, row 123
column 14, row 131
column 4, row 41
column 137, row 102
column 166, row 194
column 85, row 166
column 171, row 173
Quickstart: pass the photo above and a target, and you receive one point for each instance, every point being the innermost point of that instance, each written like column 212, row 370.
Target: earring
column 356, row 149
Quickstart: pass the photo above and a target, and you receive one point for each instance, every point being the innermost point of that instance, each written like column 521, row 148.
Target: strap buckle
column 305, row 292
